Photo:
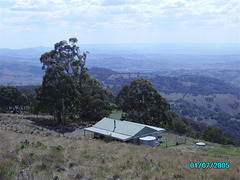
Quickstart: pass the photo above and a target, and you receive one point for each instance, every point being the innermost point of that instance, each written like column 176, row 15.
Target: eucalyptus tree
column 64, row 66
column 141, row 103
column 67, row 84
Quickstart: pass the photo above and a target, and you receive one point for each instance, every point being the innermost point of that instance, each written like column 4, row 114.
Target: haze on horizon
column 31, row 23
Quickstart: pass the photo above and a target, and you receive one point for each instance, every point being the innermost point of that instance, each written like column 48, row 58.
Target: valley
column 201, row 87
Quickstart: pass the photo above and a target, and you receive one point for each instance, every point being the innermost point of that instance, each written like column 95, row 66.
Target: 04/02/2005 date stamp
column 209, row 165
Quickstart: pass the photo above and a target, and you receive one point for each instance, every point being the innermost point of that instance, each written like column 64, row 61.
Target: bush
column 58, row 148
column 214, row 135
column 112, row 107
column 3, row 111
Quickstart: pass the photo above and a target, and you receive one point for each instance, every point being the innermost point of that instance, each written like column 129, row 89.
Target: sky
column 31, row 23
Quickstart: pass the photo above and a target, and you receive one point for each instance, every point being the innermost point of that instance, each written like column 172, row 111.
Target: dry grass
column 40, row 156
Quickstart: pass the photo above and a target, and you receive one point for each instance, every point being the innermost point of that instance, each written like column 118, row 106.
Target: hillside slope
column 49, row 155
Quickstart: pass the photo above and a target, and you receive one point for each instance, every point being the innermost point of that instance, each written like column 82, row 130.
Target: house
column 123, row 130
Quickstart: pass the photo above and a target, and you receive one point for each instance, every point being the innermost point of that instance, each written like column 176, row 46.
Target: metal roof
column 152, row 127
column 109, row 133
column 122, row 130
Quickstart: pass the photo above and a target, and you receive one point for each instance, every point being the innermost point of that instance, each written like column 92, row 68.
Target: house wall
column 145, row 132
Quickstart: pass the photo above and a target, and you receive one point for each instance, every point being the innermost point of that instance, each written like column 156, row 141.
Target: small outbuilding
column 123, row 130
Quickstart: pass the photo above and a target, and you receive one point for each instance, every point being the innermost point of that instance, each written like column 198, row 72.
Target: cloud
column 122, row 2
column 132, row 11
column 195, row 9
column 91, row 17
column 15, row 20
column 172, row 4
column 36, row 4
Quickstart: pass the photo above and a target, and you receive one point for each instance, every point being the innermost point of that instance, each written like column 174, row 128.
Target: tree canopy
column 13, row 99
column 214, row 134
column 66, row 85
column 141, row 103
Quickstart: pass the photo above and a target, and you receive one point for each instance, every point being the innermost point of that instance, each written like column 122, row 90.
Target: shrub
column 58, row 148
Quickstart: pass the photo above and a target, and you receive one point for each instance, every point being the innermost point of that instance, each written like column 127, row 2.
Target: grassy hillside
column 49, row 155
column 215, row 102
column 232, row 76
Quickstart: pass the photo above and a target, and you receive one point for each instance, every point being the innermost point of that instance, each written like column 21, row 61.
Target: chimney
column 114, row 125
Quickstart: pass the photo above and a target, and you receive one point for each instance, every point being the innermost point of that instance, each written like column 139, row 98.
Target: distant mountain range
column 22, row 66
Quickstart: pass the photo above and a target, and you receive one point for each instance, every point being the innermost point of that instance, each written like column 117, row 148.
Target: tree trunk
column 63, row 118
column 59, row 117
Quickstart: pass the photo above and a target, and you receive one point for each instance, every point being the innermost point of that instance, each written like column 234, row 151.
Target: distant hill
column 191, row 84
column 101, row 73
column 21, row 66
column 208, row 100
column 219, row 61
column 211, row 93
column 27, row 54
column 19, row 74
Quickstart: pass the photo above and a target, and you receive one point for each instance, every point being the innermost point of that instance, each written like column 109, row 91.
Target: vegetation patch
column 92, row 159
column 57, row 148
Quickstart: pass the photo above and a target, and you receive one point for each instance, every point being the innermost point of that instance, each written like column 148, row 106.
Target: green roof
column 124, row 130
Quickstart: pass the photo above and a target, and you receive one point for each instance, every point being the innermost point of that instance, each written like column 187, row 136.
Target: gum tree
column 141, row 103
column 67, row 87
